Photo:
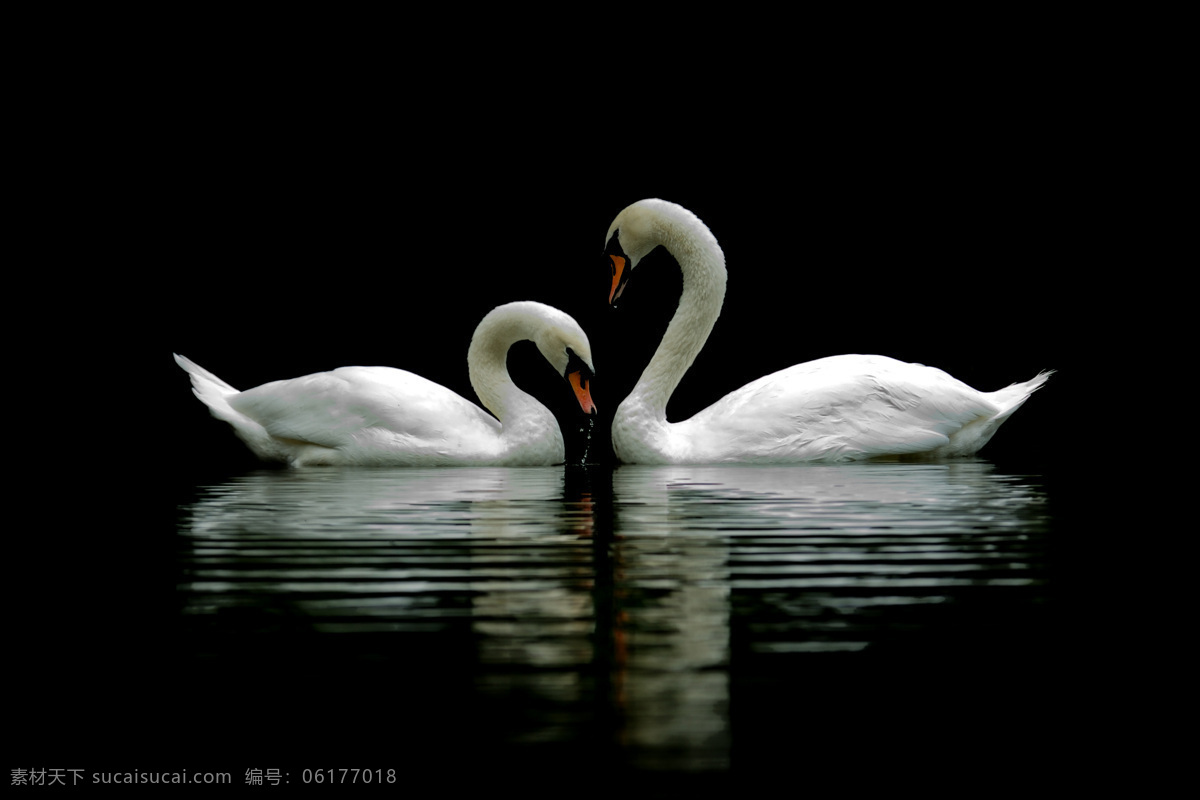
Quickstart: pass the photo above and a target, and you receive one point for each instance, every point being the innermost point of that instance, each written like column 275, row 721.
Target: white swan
column 838, row 408
column 387, row 416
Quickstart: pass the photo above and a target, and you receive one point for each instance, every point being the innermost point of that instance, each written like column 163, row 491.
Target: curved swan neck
column 702, row 263
column 487, row 363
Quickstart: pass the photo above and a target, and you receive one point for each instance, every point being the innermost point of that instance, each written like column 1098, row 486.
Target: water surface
column 659, row 618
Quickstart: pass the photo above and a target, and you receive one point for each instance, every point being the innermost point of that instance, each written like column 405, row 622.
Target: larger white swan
column 839, row 408
column 387, row 416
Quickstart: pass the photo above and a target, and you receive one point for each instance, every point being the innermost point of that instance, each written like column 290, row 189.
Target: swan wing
column 842, row 407
column 333, row 409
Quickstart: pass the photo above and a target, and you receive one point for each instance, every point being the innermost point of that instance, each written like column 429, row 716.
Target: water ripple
column 625, row 590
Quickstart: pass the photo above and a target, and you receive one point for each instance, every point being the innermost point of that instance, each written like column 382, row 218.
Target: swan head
column 563, row 343
column 630, row 237
column 557, row 335
column 640, row 228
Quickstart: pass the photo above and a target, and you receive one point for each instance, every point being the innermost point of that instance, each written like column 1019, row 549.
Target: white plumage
column 388, row 416
column 838, row 408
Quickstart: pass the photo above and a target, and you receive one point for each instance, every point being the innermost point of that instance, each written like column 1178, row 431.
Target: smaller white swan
column 839, row 408
column 387, row 416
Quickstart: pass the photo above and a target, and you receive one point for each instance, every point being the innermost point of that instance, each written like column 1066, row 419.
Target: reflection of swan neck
column 703, row 266
column 487, row 363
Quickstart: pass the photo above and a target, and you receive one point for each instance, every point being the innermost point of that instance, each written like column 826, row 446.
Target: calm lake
column 698, row 621
column 641, row 612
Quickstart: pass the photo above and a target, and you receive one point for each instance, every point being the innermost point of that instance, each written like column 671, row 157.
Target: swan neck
column 487, row 366
column 703, row 266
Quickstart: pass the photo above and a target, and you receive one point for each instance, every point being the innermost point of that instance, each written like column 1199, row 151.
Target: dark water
column 641, row 616
column 699, row 621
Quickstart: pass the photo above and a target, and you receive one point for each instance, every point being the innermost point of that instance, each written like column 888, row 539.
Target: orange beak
column 582, row 394
column 618, row 284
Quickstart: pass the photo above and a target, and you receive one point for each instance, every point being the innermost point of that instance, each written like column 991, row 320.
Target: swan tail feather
column 975, row 434
column 211, row 390
column 1011, row 397
column 215, row 393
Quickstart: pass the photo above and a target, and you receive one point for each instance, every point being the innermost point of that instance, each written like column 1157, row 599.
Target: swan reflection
column 823, row 495
column 822, row 558
column 612, row 598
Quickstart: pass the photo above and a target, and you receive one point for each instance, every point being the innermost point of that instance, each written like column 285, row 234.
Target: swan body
column 388, row 416
column 840, row 408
